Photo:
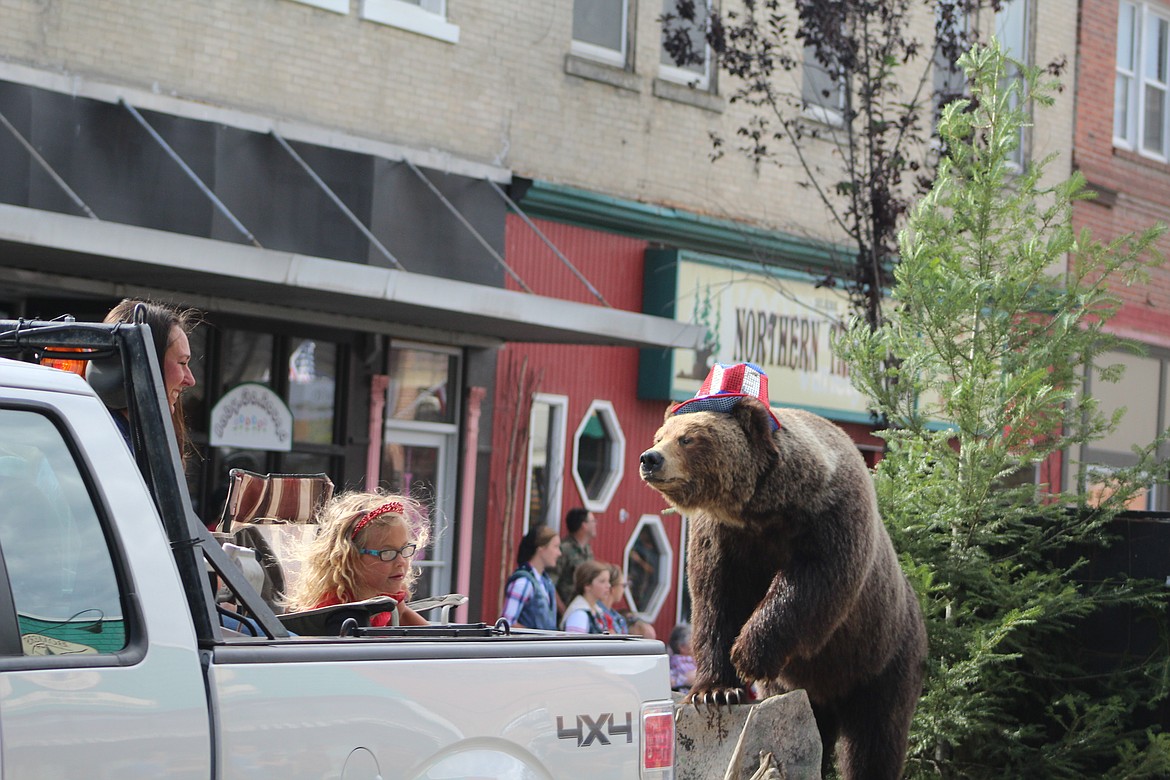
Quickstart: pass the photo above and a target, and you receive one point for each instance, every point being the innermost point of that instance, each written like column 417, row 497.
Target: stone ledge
column 606, row 74
column 691, row 96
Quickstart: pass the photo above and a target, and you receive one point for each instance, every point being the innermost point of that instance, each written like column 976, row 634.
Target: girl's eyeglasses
column 406, row 551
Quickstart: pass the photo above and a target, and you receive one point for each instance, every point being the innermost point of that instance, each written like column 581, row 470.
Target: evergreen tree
column 998, row 313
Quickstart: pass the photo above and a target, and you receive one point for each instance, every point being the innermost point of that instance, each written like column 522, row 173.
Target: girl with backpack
column 529, row 596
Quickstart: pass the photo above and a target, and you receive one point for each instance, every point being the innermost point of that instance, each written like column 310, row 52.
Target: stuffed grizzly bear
column 794, row 582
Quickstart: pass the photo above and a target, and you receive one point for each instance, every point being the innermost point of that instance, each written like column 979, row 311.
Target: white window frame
column 1017, row 12
column 559, row 406
column 617, row 57
column 1136, row 81
column 816, row 108
column 665, row 566
column 680, row 75
column 617, row 456
column 944, row 78
column 428, row 18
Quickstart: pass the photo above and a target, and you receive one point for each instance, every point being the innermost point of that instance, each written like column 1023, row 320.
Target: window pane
column 1125, row 39
column 695, row 32
column 818, row 87
column 312, row 389
column 649, row 566
column 422, row 385
column 538, row 464
column 600, row 22
column 1011, row 28
column 1124, row 88
column 413, row 470
column 1154, row 59
column 643, row 567
column 195, row 398
column 593, row 453
column 304, row 463
column 948, row 78
column 247, row 357
column 1121, row 107
column 59, row 564
column 1153, row 126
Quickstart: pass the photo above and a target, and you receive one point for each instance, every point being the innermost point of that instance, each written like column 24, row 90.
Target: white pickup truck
column 113, row 663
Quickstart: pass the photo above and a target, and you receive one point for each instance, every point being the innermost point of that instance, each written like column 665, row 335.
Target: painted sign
column 778, row 320
column 251, row 416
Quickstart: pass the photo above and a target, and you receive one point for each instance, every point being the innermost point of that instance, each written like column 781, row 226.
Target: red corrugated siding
column 613, row 264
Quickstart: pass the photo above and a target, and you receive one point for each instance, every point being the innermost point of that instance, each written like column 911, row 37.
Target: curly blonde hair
column 329, row 562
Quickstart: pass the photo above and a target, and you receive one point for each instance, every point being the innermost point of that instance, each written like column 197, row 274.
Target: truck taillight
column 658, row 741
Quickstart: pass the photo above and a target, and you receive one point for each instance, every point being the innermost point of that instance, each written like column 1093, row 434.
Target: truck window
column 60, row 571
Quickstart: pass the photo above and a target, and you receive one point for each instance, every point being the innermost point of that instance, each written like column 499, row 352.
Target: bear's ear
column 756, row 421
column 670, row 410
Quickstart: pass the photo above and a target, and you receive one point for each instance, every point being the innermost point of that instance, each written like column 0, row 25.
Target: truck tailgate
column 516, row 707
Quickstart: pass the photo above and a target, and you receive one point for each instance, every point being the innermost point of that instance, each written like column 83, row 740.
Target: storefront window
column 309, row 374
column 422, row 385
column 1138, row 394
column 247, row 357
column 195, row 398
column 312, row 388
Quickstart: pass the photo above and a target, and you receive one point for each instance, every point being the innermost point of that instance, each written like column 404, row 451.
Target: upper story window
column 1011, row 29
column 601, row 30
column 425, row 17
column 1139, row 97
column 949, row 81
column 822, row 90
column 689, row 36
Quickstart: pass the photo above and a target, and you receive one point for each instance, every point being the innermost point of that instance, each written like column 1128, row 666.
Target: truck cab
column 114, row 663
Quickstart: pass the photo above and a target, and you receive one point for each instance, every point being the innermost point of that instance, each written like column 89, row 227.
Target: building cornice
column 678, row 228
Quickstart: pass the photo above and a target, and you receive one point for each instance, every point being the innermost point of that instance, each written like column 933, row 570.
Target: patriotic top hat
column 725, row 385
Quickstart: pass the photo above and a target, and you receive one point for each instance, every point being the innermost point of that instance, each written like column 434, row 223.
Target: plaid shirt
column 519, row 592
column 573, row 554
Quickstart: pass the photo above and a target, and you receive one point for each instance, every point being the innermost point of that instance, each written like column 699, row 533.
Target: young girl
column 615, row 621
column 583, row 615
column 363, row 549
column 530, row 596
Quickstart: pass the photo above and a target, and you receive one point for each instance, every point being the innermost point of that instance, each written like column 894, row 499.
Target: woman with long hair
column 530, row 598
column 169, row 326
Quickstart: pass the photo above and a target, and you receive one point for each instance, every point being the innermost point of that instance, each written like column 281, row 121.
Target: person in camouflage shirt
column 575, row 550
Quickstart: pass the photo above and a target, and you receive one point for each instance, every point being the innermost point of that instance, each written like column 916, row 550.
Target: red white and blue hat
column 725, row 385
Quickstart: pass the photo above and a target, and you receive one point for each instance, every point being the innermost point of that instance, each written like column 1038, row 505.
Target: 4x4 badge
column 590, row 729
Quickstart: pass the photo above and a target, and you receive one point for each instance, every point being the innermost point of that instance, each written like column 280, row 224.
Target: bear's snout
column 651, row 461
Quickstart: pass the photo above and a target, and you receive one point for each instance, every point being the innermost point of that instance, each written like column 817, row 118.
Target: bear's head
column 711, row 460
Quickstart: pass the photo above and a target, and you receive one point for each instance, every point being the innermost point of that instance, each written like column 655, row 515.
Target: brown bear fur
column 794, row 582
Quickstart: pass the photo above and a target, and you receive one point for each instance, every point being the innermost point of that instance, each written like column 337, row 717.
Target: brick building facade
column 420, row 116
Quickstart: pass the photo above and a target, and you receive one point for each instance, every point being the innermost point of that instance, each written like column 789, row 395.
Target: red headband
column 393, row 506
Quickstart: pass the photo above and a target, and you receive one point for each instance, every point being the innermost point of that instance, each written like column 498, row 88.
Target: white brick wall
column 500, row 94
